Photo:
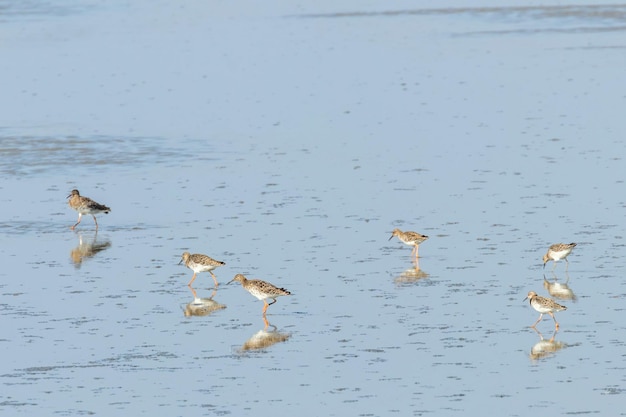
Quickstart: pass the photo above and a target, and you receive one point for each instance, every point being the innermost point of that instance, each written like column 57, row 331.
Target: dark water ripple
column 27, row 155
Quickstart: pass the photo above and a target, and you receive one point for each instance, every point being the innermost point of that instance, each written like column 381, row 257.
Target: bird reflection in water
column 265, row 338
column 87, row 247
column 411, row 275
column 202, row 306
column 560, row 290
column 544, row 348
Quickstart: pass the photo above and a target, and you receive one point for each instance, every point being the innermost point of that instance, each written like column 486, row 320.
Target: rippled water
column 288, row 141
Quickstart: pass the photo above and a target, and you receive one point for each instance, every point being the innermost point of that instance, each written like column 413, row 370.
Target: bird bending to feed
column 261, row 290
column 544, row 305
column 557, row 252
column 85, row 205
column 200, row 263
column 410, row 238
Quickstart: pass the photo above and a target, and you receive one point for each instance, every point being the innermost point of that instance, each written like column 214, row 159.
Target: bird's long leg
column 538, row 320
column 80, row 215
column 566, row 264
column 414, row 250
column 556, row 324
column 214, row 278
column 265, row 306
column 192, row 279
column 554, row 266
column 417, row 248
column 94, row 219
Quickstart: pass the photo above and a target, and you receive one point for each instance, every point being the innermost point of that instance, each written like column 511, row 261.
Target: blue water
column 288, row 140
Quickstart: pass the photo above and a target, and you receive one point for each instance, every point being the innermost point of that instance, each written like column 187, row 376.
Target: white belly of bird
column 258, row 294
column 557, row 256
column 540, row 308
column 201, row 268
column 88, row 210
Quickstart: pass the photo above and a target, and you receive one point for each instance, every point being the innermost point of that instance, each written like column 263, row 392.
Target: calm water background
column 288, row 140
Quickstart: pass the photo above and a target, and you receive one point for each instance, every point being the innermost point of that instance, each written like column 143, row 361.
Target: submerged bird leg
column 538, row 320
column 192, row 279
column 214, row 278
column 79, row 219
column 556, row 324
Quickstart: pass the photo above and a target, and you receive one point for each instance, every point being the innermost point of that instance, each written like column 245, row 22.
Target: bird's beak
column 544, row 265
column 181, row 261
column 525, row 299
column 230, row 281
column 391, row 237
column 69, row 196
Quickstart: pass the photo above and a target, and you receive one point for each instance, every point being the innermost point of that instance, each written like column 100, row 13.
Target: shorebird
column 544, row 305
column 261, row 290
column 85, row 205
column 200, row 263
column 557, row 252
column 410, row 238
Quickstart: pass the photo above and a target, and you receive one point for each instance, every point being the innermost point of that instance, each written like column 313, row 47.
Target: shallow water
column 288, row 141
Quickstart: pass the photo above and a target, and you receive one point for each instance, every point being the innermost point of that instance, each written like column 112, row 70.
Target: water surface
column 288, row 141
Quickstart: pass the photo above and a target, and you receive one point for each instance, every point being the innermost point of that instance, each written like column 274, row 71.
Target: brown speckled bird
column 557, row 252
column 544, row 305
column 200, row 263
column 261, row 290
column 85, row 205
column 410, row 238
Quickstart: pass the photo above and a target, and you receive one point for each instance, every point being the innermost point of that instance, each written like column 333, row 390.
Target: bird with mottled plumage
column 85, row 205
column 544, row 305
column 200, row 263
column 260, row 289
column 557, row 252
column 410, row 238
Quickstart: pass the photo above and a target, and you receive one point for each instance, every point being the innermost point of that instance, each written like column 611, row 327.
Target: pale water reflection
column 264, row 338
column 559, row 289
column 89, row 245
column 202, row 306
column 545, row 348
column 411, row 275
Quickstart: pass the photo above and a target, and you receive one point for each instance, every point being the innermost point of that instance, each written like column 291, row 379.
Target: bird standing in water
column 544, row 305
column 85, row 205
column 200, row 263
column 410, row 238
column 260, row 289
column 557, row 252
